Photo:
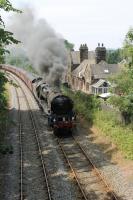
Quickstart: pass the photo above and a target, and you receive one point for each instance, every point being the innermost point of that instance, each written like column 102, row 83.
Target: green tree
column 3, row 80
column 114, row 56
column 69, row 45
column 6, row 37
column 128, row 47
column 124, row 82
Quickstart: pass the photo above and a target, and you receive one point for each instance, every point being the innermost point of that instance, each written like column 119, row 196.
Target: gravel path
column 111, row 171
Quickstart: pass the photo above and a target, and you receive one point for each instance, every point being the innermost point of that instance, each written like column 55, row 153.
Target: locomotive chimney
column 83, row 52
column 100, row 53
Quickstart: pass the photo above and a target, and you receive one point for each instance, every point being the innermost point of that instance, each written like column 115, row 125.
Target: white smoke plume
column 44, row 47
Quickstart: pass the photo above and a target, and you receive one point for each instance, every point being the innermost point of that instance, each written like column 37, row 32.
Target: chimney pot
column 100, row 53
column 83, row 52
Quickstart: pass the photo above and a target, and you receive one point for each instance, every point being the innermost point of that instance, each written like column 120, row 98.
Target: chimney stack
column 100, row 53
column 83, row 52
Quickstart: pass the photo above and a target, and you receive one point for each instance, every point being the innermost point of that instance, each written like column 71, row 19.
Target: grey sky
column 86, row 21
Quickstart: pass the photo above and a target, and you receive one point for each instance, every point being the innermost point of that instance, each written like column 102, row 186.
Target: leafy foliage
column 123, row 99
column 84, row 104
column 114, row 56
column 3, row 103
column 128, row 46
column 69, row 45
column 7, row 6
column 3, row 80
column 6, row 37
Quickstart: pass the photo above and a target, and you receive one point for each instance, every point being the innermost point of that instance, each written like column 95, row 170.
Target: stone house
column 88, row 71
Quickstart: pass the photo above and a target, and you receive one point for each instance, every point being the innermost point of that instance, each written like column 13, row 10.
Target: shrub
column 84, row 104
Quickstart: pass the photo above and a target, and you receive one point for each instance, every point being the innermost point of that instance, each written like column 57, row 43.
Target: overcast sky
column 86, row 21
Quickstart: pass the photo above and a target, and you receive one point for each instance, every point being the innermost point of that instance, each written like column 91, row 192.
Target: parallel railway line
column 90, row 181
column 34, row 130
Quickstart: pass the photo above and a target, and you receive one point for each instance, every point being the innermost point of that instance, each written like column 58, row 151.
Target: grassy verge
column 121, row 135
column 87, row 106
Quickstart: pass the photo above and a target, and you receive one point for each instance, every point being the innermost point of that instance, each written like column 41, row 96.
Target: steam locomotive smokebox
column 61, row 105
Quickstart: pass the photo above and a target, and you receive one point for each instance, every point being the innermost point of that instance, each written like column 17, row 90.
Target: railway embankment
column 4, row 99
column 107, row 142
column 88, row 108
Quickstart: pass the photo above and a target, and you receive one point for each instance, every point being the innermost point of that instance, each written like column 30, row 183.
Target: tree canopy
column 6, row 37
column 69, row 45
column 114, row 56
column 128, row 46
column 124, row 81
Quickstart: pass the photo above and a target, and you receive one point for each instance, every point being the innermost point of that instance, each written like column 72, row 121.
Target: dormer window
column 106, row 71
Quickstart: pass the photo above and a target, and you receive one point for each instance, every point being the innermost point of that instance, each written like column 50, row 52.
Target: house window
column 100, row 90
column 105, row 90
column 105, row 84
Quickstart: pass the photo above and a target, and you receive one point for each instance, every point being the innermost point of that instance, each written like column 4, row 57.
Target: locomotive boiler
column 59, row 108
column 61, row 115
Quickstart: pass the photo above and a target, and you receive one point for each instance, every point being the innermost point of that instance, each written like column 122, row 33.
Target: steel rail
column 38, row 142
column 107, row 187
column 20, row 145
column 102, row 178
column 75, row 175
column 21, row 150
column 98, row 173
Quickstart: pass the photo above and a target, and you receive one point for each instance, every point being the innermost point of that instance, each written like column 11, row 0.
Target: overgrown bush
column 3, row 80
column 3, row 103
column 84, row 104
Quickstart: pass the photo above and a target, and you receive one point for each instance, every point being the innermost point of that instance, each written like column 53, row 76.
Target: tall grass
column 120, row 134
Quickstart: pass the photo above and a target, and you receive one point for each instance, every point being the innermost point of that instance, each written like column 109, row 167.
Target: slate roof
column 100, row 83
column 79, row 71
column 101, row 70
column 75, row 57
column 104, row 70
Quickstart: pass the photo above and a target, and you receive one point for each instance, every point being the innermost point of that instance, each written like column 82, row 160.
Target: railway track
column 90, row 181
column 33, row 149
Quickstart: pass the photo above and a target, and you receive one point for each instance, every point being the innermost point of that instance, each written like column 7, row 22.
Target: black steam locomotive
column 59, row 108
column 61, row 115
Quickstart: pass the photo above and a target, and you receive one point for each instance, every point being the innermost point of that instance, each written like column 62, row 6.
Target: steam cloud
column 45, row 48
